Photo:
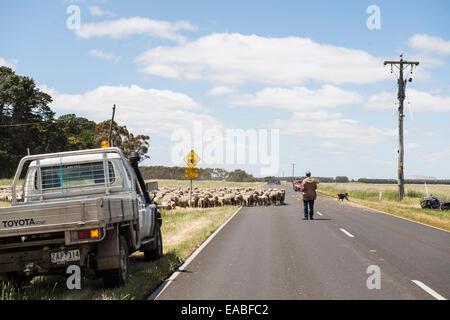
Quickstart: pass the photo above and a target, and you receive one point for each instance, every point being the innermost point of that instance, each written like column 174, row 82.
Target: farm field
column 367, row 195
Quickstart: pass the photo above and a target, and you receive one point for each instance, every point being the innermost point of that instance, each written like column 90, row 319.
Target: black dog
column 342, row 196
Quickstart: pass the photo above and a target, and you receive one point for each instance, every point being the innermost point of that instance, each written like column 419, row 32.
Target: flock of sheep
column 172, row 198
column 6, row 195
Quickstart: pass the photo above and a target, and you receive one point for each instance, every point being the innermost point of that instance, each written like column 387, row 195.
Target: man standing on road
column 308, row 189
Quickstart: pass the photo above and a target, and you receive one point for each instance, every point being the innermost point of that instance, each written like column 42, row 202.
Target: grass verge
column 183, row 231
column 8, row 182
column 367, row 195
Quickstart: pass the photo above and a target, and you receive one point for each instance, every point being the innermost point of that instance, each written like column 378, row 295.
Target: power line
column 25, row 124
column 401, row 65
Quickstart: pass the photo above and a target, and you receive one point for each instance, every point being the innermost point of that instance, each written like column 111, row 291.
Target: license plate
column 65, row 256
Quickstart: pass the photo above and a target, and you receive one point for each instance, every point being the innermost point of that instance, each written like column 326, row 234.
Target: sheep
column 275, row 197
column 238, row 199
column 246, row 199
column 263, row 200
column 204, row 202
column 212, row 197
column 283, row 195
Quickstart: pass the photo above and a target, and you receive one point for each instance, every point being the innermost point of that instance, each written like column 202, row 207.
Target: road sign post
column 191, row 160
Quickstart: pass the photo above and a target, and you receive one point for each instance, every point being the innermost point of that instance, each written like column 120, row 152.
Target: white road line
column 319, row 213
column 347, row 233
column 429, row 290
column 166, row 282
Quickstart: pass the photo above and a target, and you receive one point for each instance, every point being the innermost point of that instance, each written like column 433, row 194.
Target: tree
column 28, row 123
column 66, row 133
column 79, row 132
column 219, row 174
column 341, row 179
column 239, row 175
column 122, row 138
column 23, row 107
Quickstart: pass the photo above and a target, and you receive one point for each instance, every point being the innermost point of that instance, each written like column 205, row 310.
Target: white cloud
column 96, row 11
column 410, row 146
column 236, row 58
column 220, row 91
column 327, row 147
column 149, row 111
column 8, row 63
column 429, row 43
column 322, row 124
column 418, row 101
column 136, row 25
column 103, row 55
column 299, row 98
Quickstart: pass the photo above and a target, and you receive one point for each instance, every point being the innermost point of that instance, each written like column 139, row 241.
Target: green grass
column 183, row 230
column 8, row 182
column 368, row 196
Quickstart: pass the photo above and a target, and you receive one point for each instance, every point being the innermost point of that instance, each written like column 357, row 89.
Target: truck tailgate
column 64, row 215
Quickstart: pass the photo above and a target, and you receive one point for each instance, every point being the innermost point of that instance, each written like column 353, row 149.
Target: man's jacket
column 308, row 188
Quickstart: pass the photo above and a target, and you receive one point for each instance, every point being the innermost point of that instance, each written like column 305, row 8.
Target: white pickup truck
column 88, row 208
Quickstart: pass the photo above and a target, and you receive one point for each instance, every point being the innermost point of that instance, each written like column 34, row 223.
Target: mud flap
column 108, row 251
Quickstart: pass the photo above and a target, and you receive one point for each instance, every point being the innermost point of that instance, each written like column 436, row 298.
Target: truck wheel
column 157, row 252
column 118, row 277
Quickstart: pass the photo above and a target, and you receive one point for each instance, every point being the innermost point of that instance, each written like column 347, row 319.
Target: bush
column 415, row 194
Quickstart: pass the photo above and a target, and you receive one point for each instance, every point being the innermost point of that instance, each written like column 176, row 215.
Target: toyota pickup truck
column 89, row 208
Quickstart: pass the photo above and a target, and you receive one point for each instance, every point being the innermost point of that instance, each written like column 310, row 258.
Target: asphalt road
column 271, row 253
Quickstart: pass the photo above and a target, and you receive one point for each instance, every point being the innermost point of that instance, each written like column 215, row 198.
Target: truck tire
column 118, row 277
column 157, row 252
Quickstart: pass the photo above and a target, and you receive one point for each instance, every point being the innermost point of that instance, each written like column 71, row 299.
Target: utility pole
column 293, row 165
column 401, row 83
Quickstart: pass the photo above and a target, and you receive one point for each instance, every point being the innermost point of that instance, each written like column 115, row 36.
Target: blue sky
column 312, row 70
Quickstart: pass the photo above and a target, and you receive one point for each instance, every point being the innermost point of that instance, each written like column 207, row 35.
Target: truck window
column 75, row 175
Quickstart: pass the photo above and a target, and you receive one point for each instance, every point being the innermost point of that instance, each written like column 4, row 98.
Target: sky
column 303, row 80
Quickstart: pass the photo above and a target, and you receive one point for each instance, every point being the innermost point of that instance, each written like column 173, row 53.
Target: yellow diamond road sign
column 191, row 159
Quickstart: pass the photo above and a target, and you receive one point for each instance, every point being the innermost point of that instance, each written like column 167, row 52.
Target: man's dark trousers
column 311, row 208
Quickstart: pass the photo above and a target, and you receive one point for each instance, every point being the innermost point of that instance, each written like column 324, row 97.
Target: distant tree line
column 177, row 173
column 344, row 179
column 407, row 181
